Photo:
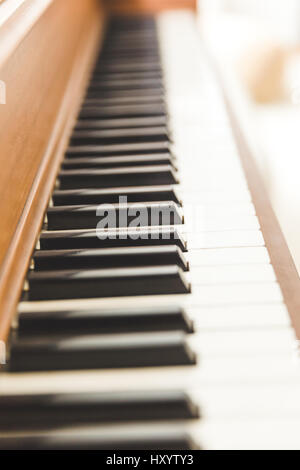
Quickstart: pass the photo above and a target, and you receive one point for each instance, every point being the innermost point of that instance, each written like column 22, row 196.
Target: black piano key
column 111, row 162
column 122, row 111
column 121, row 123
column 128, row 176
column 99, row 258
column 113, row 215
column 68, row 284
column 112, row 195
column 124, row 82
column 132, row 40
column 167, row 440
column 115, row 136
column 118, row 66
column 127, row 93
column 25, row 412
column 130, row 54
column 128, row 75
column 115, row 77
column 103, row 321
column 142, row 25
column 78, row 151
column 67, row 239
column 116, row 101
column 101, row 352
column 125, row 85
column 136, row 43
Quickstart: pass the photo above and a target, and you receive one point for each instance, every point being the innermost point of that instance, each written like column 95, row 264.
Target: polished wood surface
column 47, row 49
column 148, row 6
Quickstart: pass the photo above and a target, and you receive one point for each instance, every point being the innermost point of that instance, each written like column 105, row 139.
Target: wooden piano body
column 47, row 50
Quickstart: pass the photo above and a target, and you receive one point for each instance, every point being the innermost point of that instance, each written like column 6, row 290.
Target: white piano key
column 213, row 181
column 223, row 239
column 232, row 294
column 217, row 211
column 243, row 342
column 229, row 274
column 227, row 256
column 247, row 402
column 252, row 434
column 197, row 220
column 239, row 317
column 213, row 197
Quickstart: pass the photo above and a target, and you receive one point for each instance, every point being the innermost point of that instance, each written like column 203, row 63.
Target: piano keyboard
column 163, row 335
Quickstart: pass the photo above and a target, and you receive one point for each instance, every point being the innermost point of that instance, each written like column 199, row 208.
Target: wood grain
column 45, row 78
column 148, row 6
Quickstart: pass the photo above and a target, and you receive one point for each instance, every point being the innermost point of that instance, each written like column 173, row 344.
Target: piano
column 148, row 299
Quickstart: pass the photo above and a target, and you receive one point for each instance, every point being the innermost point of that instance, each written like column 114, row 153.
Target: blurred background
column 257, row 46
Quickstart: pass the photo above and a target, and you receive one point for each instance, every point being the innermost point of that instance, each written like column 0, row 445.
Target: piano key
column 127, row 50
column 101, row 352
column 142, row 53
column 118, row 149
column 126, row 93
column 222, row 222
column 107, row 282
column 20, row 412
column 125, row 123
column 131, row 44
column 131, row 176
column 220, row 211
column 132, row 66
column 109, row 258
column 122, row 111
column 102, row 321
column 112, row 136
column 128, row 75
column 225, row 239
column 110, row 162
column 228, row 256
column 229, row 274
column 227, row 196
column 67, row 239
column 112, row 195
column 134, row 42
column 98, row 84
column 110, row 216
column 121, row 100
column 167, row 439
column 239, row 317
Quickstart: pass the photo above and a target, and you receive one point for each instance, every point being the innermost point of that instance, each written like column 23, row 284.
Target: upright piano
column 148, row 299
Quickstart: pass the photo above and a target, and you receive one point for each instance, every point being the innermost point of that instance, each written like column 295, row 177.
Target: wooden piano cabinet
column 148, row 6
column 46, row 52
